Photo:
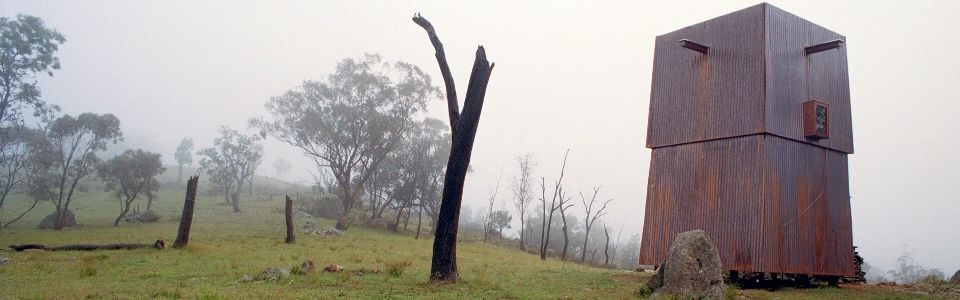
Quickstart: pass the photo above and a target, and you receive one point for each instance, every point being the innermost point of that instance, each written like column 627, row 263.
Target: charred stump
column 288, row 212
column 186, row 219
column 463, row 126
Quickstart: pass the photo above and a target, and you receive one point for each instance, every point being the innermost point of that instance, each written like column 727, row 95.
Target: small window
column 816, row 120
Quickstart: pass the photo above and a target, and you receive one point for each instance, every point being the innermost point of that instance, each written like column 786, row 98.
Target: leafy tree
column 20, row 160
column 499, row 220
column 387, row 184
column 233, row 159
column 184, row 156
column 909, row 271
column 27, row 48
column 425, row 159
column 129, row 174
column 281, row 167
column 71, row 150
column 350, row 122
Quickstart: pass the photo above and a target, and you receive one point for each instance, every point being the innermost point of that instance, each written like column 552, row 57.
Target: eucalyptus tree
column 232, row 160
column 27, row 48
column 71, row 151
column 183, row 156
column 130, row 174
column 350, row 122
column 20, row 159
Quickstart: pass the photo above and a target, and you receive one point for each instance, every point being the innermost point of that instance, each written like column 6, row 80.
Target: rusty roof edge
column 714, row 18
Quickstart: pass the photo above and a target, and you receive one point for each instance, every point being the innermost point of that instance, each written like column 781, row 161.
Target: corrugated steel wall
column 769, row 204
column 688, row 103
column 794, row 77
column 729, row 155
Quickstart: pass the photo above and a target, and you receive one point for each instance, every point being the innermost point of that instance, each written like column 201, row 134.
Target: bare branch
column 453, row 108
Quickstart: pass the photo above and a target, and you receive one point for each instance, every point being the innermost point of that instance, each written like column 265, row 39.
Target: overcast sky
column 569, row 75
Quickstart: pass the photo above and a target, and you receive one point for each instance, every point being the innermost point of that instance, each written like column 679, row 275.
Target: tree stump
column 288, row 212
column 186, row 219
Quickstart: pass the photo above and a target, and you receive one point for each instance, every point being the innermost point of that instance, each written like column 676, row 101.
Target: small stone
column 330, row 231
column 245, row 278
column 4, row 260
column 273, row 274
column 333, row 268
column 306, row 267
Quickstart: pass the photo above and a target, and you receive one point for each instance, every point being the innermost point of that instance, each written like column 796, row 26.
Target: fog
column 568, row 75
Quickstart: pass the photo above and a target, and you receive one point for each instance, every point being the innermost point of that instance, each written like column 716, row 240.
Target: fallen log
column 159, row 245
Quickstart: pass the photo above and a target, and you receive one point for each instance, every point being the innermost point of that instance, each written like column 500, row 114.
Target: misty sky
column 568, row 75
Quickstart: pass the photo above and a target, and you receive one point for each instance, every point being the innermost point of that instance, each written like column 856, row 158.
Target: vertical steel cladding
column 730, row 154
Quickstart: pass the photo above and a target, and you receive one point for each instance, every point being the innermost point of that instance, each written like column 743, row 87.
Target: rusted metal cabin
column 750, row 130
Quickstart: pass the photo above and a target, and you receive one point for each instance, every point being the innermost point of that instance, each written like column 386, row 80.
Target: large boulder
column 379, row 223
column 692, row 270
column 50, row 221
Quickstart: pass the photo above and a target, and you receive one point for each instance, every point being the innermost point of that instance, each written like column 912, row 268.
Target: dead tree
column 463, row 127
column 158, row 244
column 588, row 222
column 486, row 218
column 548, row 220
column 563, row 206
column 606, row 249
column 186, row 218
column 288, row 213
column 521, row 193
column 419, row 222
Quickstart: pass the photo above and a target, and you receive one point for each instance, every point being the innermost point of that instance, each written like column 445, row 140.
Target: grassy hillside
column 224, row 246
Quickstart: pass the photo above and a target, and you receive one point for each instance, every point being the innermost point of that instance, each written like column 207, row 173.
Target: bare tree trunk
column 543, row 218
column 396, row 223
column 606, row 249
column 557, row 192
column 586, row 238
column 186, row 218
column 464, row 129
column 288, row 213
column 236, row 201
column 125, row 208
column 419, row 221
column 566, row 237
column 407, row 219
column 346, row 194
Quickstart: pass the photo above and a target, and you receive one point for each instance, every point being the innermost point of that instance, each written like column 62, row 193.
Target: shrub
column 396, row 268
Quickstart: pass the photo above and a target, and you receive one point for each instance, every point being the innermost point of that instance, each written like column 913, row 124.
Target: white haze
column 569, row 75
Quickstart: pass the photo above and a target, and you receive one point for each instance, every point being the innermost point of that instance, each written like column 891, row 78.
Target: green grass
column 224, row 246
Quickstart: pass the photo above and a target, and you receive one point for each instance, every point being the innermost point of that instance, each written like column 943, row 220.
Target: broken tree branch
column 452, row 106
